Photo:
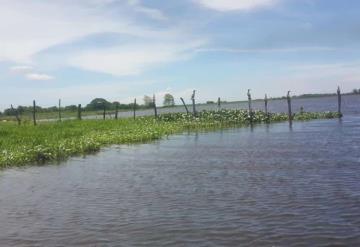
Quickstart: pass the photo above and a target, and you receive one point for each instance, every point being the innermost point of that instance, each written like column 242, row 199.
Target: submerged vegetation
column 26, row 144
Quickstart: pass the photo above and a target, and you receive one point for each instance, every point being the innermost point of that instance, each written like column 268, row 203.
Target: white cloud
column 38, row 77
column 29, row 27
column 152, row 13
column 37, row 26
column 29, row 73
column 132, row 59
column 21, row 69
column 267, row 50
column 236, row 5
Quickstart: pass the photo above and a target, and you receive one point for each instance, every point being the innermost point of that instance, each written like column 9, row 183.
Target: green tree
column 71, row 108
column 98, row 104
column 148, row 101
column 169, row 100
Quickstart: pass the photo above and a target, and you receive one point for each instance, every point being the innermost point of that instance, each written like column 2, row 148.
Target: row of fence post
column 288, row 99
column 194, row 112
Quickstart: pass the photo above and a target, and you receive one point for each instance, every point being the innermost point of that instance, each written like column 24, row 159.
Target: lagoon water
column 350, row 105
column 269, row 185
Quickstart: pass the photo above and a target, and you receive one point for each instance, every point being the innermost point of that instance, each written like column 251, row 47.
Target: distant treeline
column 98, row 104
column 95, row 105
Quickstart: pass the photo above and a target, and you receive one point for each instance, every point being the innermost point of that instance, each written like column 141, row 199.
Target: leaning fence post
column 104, row 111
column 339, row 102
column 219, row 103
column 134, row 108
column 16, row 115
column 34, row 112
column 193, row 102
column 250, row 109
column 289, row 107
column 60, row 110
column 182, row 100
column 266, row 108
column 155, row 109
column 79, row 112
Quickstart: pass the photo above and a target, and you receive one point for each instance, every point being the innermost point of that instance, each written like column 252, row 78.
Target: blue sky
column 77, row 50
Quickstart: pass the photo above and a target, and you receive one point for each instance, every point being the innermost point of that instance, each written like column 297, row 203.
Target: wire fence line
column 286, row 104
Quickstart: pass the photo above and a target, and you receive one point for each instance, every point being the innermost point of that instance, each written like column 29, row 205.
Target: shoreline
column 57, row 141
column 110, row 114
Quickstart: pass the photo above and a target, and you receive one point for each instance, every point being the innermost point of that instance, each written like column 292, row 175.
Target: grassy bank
column 27, row 144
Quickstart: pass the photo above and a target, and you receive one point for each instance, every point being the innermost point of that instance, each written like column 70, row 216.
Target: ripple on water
column 267, row 186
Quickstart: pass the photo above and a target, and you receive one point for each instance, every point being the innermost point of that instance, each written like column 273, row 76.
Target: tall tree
column 169, row 100
column 98, row 104
column 148, row 101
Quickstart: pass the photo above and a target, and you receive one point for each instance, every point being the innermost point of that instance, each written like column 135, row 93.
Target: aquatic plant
column 27, row 144
column 242, row 117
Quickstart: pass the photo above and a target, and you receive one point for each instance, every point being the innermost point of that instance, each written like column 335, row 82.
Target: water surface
column 261, row 186
column 350, row 105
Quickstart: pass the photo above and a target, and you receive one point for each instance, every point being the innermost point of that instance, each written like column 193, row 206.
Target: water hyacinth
column 242, row 117
column 27, row 144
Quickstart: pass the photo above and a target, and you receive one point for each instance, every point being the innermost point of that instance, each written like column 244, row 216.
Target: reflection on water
column 265, row 187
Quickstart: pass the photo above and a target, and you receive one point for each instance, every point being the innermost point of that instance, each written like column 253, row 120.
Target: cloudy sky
column 77, row 50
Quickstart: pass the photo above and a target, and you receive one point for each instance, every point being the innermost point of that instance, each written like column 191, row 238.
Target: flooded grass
column 27, row 144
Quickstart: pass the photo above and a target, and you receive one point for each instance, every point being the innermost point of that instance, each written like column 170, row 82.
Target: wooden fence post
column 134, row 108
column 193, row 102
column 302, row 110
column 79, row 112
column 182, row 100
column 339, row 102
column 34, row 112
column 16, row 112
column 250, row 108
column 104, row 111
column 266, row 108
column 60, row 110
column 288, row 97
column 266, row 104
column 154, row 104
column 116, row 110
column 219, row 103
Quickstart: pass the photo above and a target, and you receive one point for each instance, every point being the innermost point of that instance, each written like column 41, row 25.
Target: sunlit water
column 262, row 186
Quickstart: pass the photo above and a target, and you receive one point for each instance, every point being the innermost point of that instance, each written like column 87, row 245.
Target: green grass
column 27, row 144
